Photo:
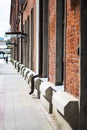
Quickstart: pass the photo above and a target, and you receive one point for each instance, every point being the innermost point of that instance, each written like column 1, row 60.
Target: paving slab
column 18, row 109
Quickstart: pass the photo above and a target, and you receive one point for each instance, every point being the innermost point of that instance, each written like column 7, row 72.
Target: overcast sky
column 4, row 16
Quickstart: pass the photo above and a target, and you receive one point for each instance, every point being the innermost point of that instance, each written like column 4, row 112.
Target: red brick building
column 52, row 34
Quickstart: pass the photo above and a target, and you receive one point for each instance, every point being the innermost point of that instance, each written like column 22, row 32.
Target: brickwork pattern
column 72, row 44
column 72, row 60
column 52, row 40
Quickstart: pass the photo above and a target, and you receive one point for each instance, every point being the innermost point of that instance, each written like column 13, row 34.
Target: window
column 60, row 42
column 43, row 41
column 32, row 39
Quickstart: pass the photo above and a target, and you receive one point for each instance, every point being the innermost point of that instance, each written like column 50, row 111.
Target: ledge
column 46, row 95
column 37, row 82
column 58, row 88
column 30, row 75
column 15, row 63
column 44, row 79
column 46, row 90
column 26, row 71
column 67, row 106
column 21, row 66
column 45, row 86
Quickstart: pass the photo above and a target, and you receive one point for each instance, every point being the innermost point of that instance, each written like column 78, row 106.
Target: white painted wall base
column 44, row 102
column 46, row 95
column 65, row 110
column 61, row 122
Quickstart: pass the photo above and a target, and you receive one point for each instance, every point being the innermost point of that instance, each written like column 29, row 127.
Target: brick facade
column 72, row 39
column 52, row 40
column 72, row 70
column 72, row 60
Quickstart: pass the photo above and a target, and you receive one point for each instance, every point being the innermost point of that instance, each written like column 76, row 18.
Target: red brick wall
column 72, row 65
column 52, row 40
column 72, row 43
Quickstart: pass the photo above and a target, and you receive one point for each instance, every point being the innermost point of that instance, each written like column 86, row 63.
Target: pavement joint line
column 5, row 96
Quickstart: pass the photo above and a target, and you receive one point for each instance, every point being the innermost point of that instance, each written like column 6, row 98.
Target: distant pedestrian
column 6, row 59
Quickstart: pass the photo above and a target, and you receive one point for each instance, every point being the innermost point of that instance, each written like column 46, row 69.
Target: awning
column 16, row 35
column 1, row 52
column 12, row 44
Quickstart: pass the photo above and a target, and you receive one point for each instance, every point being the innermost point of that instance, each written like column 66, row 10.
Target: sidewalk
column 18, row 109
